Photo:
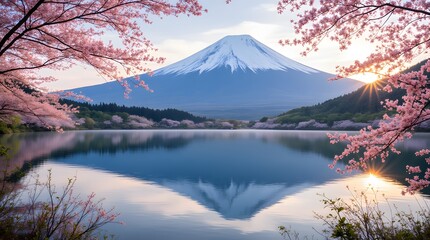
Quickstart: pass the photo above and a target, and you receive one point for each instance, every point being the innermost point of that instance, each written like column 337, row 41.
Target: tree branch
column 19, row 24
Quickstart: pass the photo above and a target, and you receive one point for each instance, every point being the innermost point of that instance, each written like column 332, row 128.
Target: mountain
column 362, row 105
column 237, row 77
column 241, row 52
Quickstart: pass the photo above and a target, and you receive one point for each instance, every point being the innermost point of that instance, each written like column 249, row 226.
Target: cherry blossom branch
column 59, row 34
column 19, row 24
column 400, row 7
column 400, row 31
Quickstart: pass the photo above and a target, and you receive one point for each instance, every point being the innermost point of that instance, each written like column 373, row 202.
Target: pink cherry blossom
column 40, row 34
column 400, row 30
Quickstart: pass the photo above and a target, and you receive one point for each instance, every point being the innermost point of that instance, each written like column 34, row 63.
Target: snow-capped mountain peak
column 237, row 52
column 235, row 78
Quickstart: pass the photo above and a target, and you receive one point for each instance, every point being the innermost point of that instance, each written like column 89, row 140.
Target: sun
column 374, row 181
column 365, row 77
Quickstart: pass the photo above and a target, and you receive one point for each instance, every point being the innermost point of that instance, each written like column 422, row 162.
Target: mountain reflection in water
column 234, row 173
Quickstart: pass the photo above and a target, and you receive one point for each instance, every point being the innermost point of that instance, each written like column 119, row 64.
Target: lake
column 207, row 184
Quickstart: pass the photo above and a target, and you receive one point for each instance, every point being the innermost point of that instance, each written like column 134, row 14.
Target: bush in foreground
column 362, row 217
column 62, row 215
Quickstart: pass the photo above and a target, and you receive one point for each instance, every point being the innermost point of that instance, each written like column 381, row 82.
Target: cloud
column 268, row 7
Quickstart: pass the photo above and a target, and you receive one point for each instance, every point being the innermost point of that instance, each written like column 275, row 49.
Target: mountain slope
column 237, row 77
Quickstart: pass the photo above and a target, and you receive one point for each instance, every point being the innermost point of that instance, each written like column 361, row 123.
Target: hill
column 362, row 105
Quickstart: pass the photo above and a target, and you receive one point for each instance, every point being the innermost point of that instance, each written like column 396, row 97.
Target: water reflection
column 153, row 211
column 226, row 171
column 239, row 181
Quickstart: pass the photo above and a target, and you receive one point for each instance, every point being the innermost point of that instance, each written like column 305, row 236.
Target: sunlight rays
column 372, row 89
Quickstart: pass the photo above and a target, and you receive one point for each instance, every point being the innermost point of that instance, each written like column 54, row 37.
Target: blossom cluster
column 377, row 143
column 57, row 35
column 400, row 34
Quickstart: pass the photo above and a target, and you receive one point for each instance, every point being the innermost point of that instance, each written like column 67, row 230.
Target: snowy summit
column 237, row 52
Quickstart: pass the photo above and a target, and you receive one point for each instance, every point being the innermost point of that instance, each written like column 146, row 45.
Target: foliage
column 264, row 119
column 399, row 30
column 11, row 126
column 362, row 217
column 302, row 115
column 56, row 35
column 64, row 215
column 3, row 151
column 32, row 107
column 104, row 111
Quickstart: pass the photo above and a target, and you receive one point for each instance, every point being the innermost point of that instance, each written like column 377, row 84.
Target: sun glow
column 365, row 77
column 373, row 180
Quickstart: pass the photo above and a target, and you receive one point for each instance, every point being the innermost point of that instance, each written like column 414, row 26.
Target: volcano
column 237, row 77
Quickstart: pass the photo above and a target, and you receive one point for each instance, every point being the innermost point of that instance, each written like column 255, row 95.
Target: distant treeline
column 153, row 114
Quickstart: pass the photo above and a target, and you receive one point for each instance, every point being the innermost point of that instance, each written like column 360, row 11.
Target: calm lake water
column 202, row 184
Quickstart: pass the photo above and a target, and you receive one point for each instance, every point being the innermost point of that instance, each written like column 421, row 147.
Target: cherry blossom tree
column 400, row 31
column 44, row 34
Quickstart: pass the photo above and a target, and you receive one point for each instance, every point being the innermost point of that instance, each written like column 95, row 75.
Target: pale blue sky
column 179, row 37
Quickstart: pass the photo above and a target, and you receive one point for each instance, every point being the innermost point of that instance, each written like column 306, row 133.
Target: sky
column 180, row 37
